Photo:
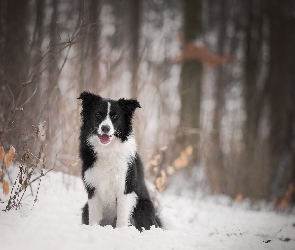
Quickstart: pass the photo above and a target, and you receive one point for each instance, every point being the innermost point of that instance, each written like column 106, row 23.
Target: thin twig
column 7, row 85
column 37, row 178
column 25, row 84
column 29, row 97
column 48, row 65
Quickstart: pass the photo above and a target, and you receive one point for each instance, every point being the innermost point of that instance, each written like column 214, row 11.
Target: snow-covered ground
column 202, row 223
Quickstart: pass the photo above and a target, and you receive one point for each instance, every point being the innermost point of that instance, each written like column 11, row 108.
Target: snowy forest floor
column 202, row 223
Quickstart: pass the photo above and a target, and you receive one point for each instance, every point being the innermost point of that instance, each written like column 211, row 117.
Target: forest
column 215, row 80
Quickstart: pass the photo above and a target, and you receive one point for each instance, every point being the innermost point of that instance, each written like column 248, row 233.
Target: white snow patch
column 55, row 223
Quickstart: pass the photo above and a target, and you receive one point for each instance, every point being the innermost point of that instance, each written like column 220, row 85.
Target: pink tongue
column 104, row 138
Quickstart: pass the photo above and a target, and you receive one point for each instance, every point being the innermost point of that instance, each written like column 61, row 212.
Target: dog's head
column 107, row 118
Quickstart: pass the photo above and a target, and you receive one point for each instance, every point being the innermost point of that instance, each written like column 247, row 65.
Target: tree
column 130, row 39
column 190, row 87
column 94, row 9
column 253, row 178
column 89, row 14
column 215, row 166
column 13, row 61
column 281, row 94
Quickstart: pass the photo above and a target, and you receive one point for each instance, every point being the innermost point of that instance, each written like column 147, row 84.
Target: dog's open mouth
column 104, row 139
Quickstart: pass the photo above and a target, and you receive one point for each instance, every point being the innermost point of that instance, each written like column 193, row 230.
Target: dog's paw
column 122, row 224
column 92, row 223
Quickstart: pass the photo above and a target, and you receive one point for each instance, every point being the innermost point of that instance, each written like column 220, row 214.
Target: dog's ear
column 129, row 104
column 87, row 96
column 87, row 102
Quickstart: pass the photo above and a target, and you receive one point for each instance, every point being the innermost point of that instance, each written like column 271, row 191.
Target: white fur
column 107, row 121
column 126, row 204
column 108, row 177
column 95, row 210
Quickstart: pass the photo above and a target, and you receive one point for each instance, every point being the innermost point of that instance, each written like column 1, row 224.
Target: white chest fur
column 108, row 174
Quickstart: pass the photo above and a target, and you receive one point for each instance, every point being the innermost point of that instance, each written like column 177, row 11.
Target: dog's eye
column 114, row 117
column 98, row 115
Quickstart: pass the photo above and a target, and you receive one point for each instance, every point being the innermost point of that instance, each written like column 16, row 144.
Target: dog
column 112, row 170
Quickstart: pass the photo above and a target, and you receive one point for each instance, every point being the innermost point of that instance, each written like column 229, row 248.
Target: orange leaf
column 189, row 150
column 5, row 186
column 9, row 156
column 239, row 197
column 283, row 204
column 290, row 190
column 2, row 154
column 193, row 52
column 159, row 182
column 181, row 161
column 153, row 162
column 164, row 148
column 1, row 174
column 170, row 170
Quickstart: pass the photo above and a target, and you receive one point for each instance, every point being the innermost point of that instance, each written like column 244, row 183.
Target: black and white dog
column 111, row 168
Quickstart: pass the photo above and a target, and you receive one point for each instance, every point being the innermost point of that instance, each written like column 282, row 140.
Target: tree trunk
column 281, row 94
column 253, row 98
column 94, row 9
column 134, row 29
column 252, row 173
column 13, row 60
column 33, row 92
column 130, row 37
column 215, row 164
column 190, row 86
column 52, row 124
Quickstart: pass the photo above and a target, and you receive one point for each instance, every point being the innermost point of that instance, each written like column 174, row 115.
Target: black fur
column 85, row 215
column 94, row 110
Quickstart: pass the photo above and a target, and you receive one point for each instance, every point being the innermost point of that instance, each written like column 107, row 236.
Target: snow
column 202, row 223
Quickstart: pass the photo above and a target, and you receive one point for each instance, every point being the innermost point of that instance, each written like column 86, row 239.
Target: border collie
column 112, row 170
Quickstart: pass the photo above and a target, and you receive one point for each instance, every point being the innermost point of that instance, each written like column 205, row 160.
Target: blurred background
column 215, row 80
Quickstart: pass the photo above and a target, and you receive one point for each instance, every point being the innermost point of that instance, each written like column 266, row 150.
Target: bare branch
column 7, row 85
column 29, row 80
column 37, row 178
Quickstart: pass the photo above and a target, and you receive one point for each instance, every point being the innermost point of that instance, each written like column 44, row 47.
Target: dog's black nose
column 105, row 128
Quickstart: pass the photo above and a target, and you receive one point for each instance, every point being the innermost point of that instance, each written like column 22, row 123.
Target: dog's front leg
column 125, row 206
column 95, row 210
